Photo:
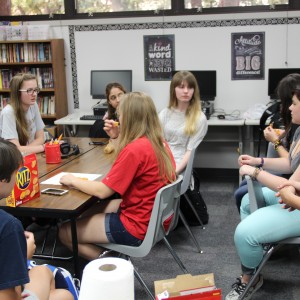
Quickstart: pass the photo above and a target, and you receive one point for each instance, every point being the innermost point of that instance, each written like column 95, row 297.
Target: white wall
column 206, row 48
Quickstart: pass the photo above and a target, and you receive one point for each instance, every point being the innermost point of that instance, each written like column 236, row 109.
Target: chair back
column 188, row 173
column 164, row 218
column 256, row 197
column 165, row 212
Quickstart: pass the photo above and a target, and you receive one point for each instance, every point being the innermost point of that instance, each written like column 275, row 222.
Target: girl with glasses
column 20, row 120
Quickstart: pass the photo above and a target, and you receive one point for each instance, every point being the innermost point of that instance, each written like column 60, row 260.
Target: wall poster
column 247, row 55
column 159, row 57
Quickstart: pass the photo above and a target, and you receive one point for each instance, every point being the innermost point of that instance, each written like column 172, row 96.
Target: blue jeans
column 266, row 225
column 240, row 192
column 116, row 232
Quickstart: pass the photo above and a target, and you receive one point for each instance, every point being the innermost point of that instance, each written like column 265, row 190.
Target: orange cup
column 52, row 152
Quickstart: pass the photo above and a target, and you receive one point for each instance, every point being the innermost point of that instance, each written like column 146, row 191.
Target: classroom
column 239, row 50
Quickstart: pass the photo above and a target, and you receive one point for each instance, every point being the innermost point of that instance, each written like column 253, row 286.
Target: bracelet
column 276, row 144
column 255, row 173
column 262, row 162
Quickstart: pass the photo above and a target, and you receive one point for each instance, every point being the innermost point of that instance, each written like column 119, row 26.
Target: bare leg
column 90, row 231
column 43, row 285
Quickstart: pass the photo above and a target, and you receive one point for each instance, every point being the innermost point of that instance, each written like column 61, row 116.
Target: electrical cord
column 221, row 114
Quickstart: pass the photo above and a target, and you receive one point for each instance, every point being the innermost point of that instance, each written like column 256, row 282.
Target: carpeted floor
column 281, row 274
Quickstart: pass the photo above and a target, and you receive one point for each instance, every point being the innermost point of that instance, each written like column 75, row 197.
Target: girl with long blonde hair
column 143, row 164
column 184, row 124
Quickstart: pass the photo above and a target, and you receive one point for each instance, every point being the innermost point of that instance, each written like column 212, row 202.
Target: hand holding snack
column 272, row 134
column 112, row 129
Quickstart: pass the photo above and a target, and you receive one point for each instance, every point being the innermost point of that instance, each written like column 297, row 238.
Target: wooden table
column 71, row 205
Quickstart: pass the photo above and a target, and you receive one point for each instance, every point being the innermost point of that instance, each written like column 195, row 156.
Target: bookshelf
column 46, row 59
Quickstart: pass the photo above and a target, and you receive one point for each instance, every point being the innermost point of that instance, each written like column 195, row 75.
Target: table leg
column 75, row 248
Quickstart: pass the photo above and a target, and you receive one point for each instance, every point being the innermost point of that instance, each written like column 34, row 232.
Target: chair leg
column 256, row 274
column 185, row 223
column 143, row 284
column 194, row 210
column 174, row 254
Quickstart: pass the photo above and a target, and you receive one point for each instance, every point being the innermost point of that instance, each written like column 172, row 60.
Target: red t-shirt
column 135, row 176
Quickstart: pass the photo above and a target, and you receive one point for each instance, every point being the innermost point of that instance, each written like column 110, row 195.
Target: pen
column 97, row 143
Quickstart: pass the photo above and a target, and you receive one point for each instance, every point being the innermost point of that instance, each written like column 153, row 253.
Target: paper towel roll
column 107, row 279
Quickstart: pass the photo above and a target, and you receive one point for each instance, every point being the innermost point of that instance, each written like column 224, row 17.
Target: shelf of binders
column 45, row 59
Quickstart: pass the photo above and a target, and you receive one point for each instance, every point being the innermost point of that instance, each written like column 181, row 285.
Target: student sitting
column 16, row 246
column 144, row 164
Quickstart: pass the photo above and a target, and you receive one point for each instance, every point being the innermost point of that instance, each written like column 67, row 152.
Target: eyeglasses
column 31, row 91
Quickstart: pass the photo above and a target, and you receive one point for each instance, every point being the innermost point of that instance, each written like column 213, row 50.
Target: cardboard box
column 188, row 287
column 27, row 185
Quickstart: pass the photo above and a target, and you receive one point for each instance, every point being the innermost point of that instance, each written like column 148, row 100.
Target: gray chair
column 163, row 219
column 186, row 181
column 257, row 201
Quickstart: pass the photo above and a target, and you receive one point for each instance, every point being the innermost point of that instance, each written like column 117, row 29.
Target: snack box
column 27, row 185
column 188, row 287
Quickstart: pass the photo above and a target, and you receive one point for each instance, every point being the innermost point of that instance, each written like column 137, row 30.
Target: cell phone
column 57, row 192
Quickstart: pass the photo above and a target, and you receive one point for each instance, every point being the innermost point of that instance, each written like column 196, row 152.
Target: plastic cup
column 53, row 155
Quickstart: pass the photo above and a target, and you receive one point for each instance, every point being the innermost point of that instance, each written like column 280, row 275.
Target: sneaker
column 30, row 264
column 64, row 280
column 238, row 288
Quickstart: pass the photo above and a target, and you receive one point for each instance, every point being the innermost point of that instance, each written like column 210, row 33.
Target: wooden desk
column 71, row 205
column 83, row 144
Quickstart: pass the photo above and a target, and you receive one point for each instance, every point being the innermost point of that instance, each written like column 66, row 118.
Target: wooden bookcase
column 46, row 59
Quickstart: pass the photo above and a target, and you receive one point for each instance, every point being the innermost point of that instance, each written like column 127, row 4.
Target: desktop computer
column 207, row 108
column 100, row 109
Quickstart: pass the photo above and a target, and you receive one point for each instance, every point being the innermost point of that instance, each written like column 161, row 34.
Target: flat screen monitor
column 100, row 78
column 207, row 82
column 275, row 75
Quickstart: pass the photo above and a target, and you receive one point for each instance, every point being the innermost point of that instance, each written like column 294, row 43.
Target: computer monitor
column 100, row 78
column 275, row 75
column 207, row 82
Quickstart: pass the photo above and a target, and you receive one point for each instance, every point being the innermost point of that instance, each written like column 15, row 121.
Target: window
column 29, row 7
column 231, row 3
column 22, row 10
column 86, row 6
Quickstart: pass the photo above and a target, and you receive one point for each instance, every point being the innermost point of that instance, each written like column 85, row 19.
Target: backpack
column 193, row 193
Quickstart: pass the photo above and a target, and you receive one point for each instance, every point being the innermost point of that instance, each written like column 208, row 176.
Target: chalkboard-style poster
column 248, row 55
column 159, row 56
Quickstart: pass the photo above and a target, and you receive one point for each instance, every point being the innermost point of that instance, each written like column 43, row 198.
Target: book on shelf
column 45, row 105
column 5, row 73
column 4, row 53
column 51, row 109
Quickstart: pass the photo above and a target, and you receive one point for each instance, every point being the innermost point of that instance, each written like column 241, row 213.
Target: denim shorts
column 116, row 232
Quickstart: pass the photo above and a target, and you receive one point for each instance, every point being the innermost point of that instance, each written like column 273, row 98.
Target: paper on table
column 55, row 179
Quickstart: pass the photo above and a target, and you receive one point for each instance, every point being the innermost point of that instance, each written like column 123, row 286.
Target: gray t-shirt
column 173, row 124
column 294, row 153
column 8, row 128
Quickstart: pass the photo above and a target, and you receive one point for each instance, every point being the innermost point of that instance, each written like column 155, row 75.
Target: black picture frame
column 159, row 57
column 248, row 55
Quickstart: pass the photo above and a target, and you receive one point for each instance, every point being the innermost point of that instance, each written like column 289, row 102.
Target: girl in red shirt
column 143, row 165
